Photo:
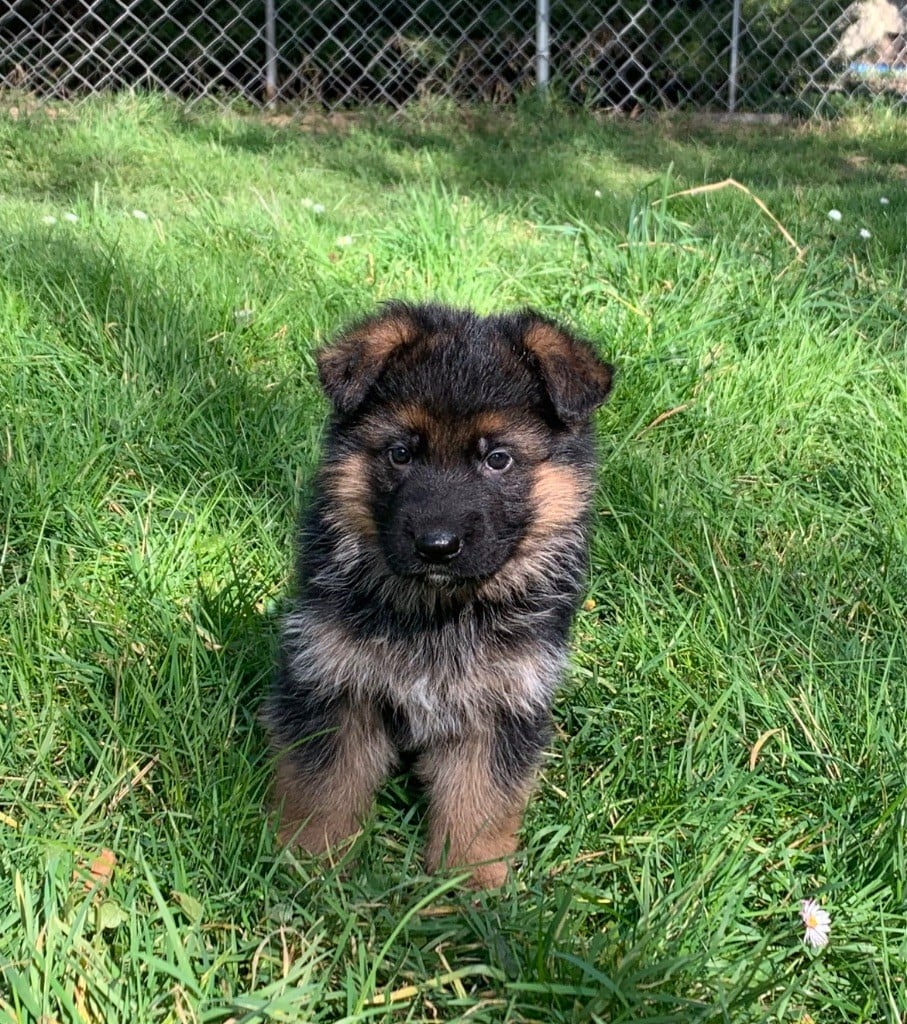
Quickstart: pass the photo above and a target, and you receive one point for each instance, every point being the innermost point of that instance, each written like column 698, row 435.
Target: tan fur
column 349, row 366
column 379, row 338
column 545, row 341
column 559, row 497
column 492, row 424
column 472, row 823
column 385, row 335
column 456, row 439
column 414, row 418
column 448, row 441
column 566, row 365
column 347, row 484
column 317, row 813
column 548, row 344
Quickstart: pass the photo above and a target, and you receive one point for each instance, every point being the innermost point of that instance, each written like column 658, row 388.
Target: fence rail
column 780, row 55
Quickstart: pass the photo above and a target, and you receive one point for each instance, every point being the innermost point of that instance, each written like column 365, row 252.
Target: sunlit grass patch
column 731, row 736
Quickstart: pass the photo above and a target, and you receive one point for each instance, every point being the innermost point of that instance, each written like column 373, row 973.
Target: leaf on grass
column 208, row 639
column 715, row 186
column 110, row 915
column 397, row 996
column 189, row 905
column 759, row 744
column 85, row 1007
column 506, row 957
column 97, row 874
column 661, row 417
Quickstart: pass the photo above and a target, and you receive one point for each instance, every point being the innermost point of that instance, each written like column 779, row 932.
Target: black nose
column 438, row 545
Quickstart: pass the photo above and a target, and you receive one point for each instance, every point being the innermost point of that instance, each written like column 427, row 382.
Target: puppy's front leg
column 478, row 788
column 325, row 783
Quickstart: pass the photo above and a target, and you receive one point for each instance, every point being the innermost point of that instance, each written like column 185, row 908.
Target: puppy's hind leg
column 324, row 785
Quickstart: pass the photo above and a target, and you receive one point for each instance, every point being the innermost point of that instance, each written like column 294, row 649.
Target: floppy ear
column 576, row 379
column 351, row 364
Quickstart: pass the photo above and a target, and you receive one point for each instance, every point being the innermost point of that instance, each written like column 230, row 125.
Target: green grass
column 733, row 731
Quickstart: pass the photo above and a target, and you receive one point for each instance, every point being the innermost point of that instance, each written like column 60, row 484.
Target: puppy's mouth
column 439, row 576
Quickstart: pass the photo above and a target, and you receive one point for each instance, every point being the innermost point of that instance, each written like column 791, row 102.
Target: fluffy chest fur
column 442, row 682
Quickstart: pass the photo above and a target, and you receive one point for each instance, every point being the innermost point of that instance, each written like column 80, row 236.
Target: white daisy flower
column 834, row 214
column 865, row 233
column 140, row 215
column 597, row 193
column 243, row 316
column 344, row 240
column 317, row 207
column 817, row 922
column 71, row 217
column 884, row 200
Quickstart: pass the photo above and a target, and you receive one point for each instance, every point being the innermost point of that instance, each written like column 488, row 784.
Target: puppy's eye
column 499, row 460
column 399, row 454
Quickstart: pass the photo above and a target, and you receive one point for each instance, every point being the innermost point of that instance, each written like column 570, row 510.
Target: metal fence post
column 735, row 54
column 542, row 51
column 270, row 52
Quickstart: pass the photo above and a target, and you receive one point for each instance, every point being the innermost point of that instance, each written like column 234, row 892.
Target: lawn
column 732, row 735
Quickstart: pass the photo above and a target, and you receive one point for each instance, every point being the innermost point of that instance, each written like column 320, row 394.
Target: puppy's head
column 456, row 439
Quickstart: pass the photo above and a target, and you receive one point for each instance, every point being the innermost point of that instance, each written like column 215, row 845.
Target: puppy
column 440, row 563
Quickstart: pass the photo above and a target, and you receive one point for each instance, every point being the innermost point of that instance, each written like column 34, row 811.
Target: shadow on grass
column 134, row 406
column 519, row 153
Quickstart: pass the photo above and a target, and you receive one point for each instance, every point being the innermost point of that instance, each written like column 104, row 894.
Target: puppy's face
column 455, row 437
column 451, row 496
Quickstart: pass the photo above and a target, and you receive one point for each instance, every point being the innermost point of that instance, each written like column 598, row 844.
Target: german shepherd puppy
column 440, row 564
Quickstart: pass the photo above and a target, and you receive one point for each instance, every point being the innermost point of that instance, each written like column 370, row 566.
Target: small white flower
column 865, row 233
column 140, row 215
column 49, row 219
column 817, row 922
column 243, row 316
column 71, row 217
column 884, row 200
column 834, row 215
column 344, row 240
column 597, row 193
column 317, row 208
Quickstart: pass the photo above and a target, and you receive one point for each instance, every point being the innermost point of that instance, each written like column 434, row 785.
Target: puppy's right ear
column 351, row 364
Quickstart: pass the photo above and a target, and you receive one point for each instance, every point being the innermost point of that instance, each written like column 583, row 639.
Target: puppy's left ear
column 576, row 379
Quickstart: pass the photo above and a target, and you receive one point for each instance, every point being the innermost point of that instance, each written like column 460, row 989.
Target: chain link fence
column 793, row 56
